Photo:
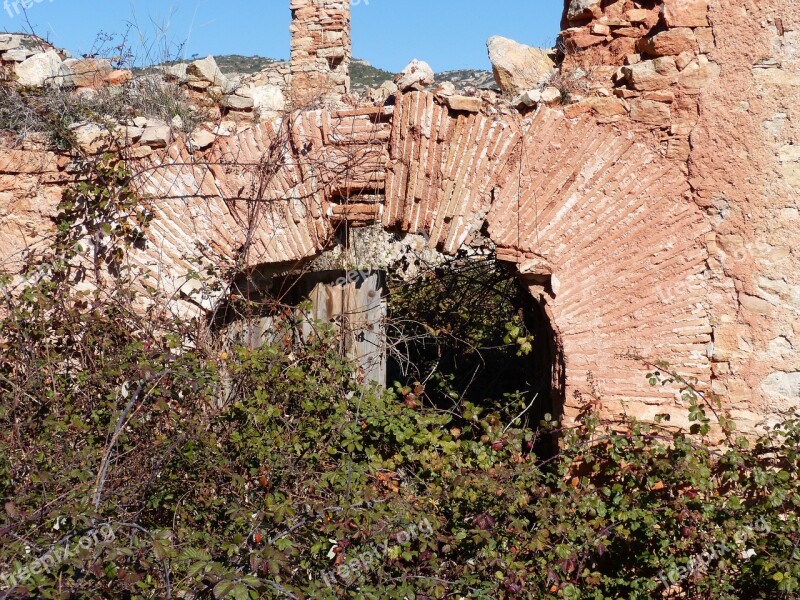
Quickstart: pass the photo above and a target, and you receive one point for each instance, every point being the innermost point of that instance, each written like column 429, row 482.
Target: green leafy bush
column 171, row 464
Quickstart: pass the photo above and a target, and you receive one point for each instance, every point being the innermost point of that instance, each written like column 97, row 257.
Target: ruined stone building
column 653, row 207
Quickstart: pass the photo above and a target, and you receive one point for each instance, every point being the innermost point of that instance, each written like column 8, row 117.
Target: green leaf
column 223, row 589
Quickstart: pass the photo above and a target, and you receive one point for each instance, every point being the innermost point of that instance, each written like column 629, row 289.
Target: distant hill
column 362, row 74
column 468, row 78
column 235, row 63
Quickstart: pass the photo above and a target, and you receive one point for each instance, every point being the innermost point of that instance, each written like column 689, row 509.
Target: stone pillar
column 321, row 51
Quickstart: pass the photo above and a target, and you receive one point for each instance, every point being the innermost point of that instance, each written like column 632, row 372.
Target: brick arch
column 615, row 226
column 596, row 221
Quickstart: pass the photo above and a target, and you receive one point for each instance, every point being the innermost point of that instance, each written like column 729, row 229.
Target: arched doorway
column 446, row 332
column 598, row 225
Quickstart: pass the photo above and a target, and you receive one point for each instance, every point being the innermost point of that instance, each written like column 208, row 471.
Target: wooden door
column 355, row 304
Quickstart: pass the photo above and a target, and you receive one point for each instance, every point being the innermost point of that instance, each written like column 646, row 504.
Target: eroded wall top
column 660, row 202
column 321, row 50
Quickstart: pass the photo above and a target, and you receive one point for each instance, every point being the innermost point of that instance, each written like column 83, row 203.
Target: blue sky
column 449, row 34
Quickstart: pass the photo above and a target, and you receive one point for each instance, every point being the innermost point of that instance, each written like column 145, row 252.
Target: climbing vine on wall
column 101, row 214
column 171, row 464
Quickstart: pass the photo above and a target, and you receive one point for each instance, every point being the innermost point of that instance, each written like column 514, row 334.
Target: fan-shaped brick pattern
column 598, row 220
column 616, row 227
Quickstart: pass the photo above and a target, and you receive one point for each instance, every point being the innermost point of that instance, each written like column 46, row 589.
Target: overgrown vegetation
column 54, row 111
column 459, row 331
column 214, row 470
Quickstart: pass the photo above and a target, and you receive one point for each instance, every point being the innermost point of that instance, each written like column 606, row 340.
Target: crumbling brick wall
column 655, row 215
column 321, row 50
column 715, row 84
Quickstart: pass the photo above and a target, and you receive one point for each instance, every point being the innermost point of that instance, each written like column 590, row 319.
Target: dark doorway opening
column 468, row 333
column 457, row 334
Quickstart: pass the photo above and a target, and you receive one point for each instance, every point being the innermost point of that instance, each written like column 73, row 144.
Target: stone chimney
column 321, row 51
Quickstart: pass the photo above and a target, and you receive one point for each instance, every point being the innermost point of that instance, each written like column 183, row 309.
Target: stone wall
column 31, row 184
column 744, row 168
column 648, row 65
column 655, row 214
column 321, row 51
column 715, row 83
